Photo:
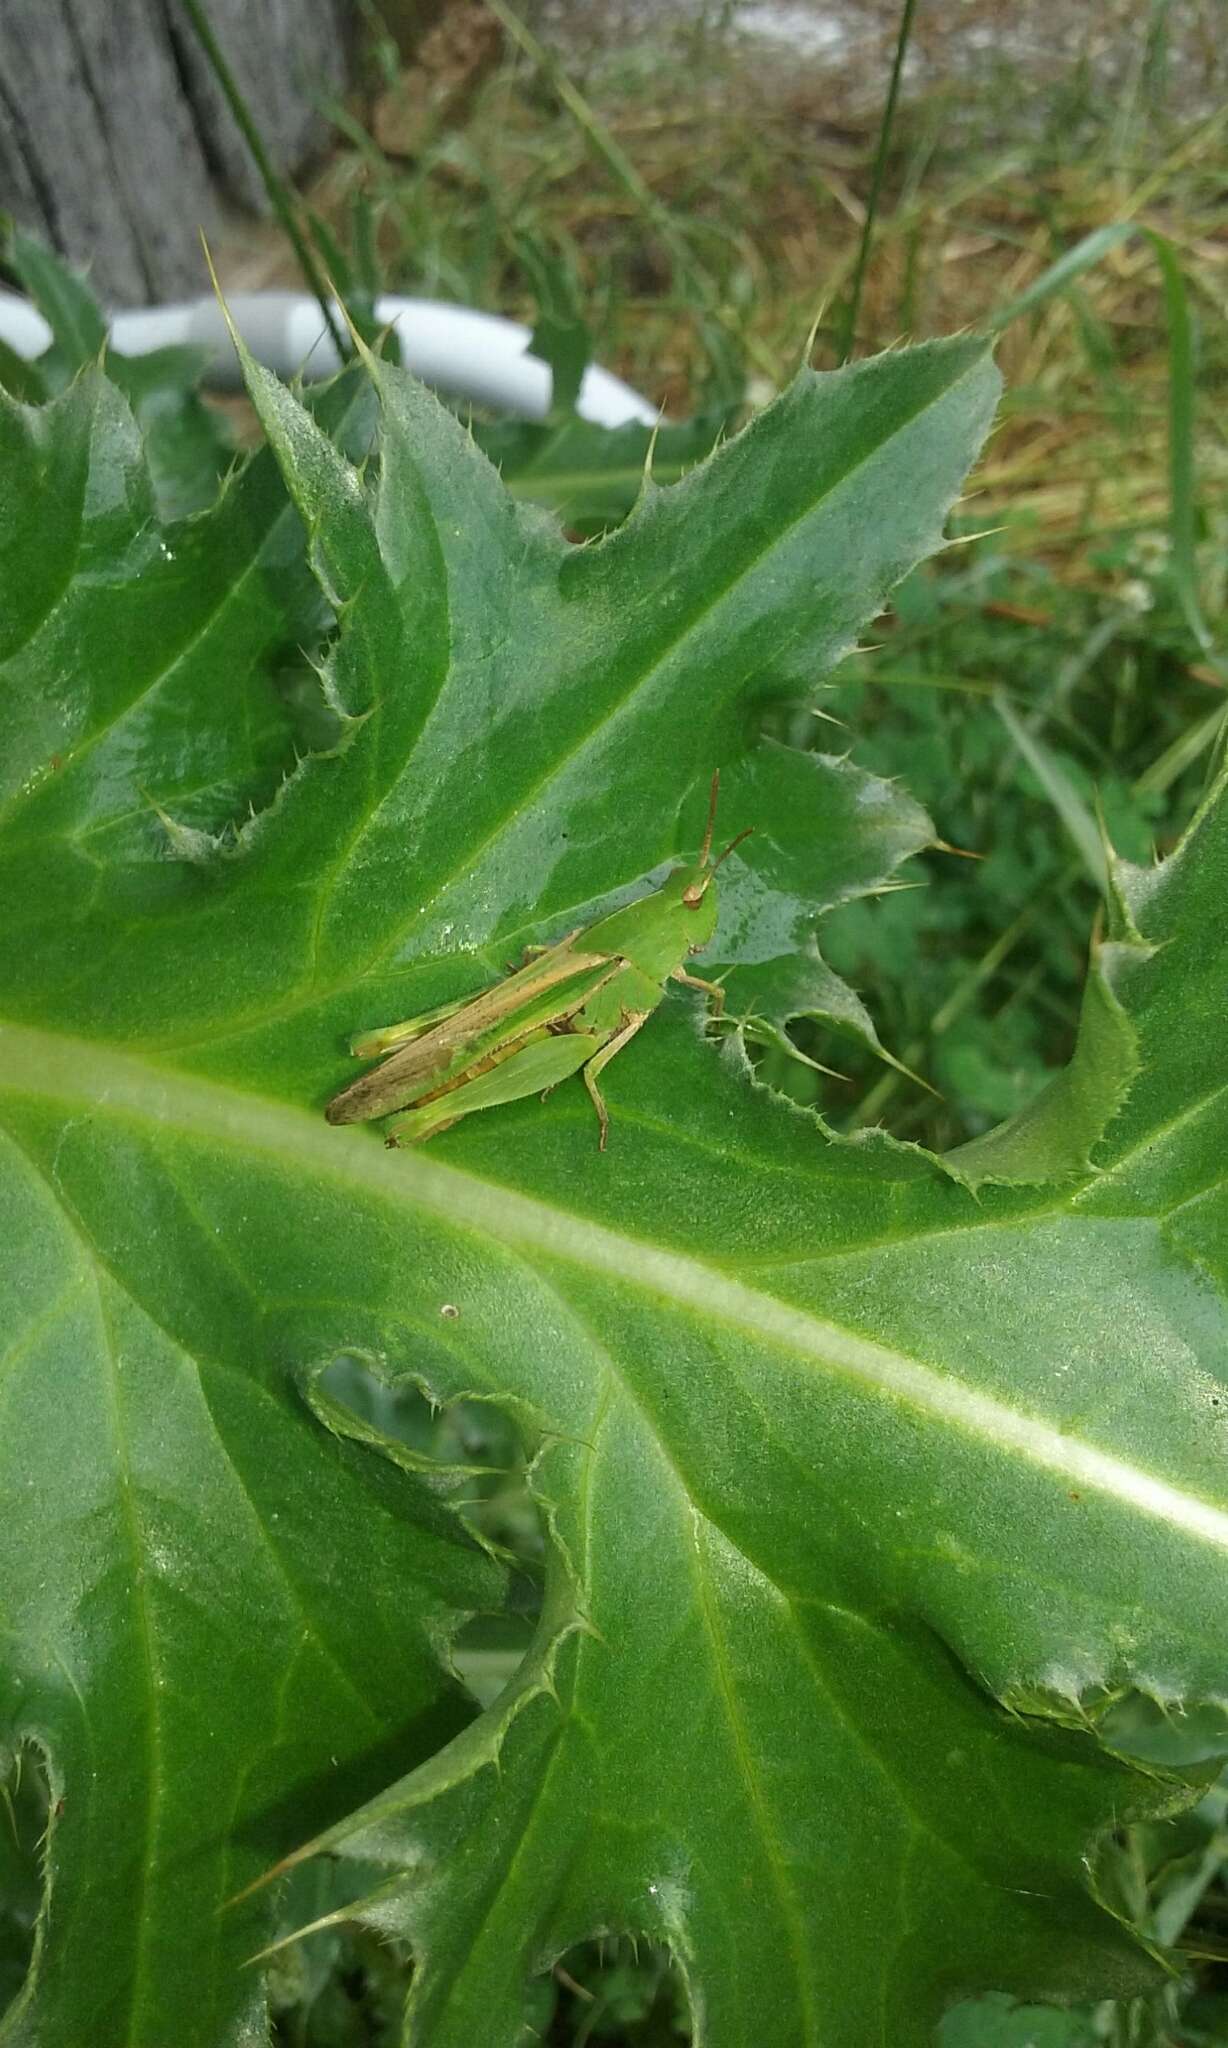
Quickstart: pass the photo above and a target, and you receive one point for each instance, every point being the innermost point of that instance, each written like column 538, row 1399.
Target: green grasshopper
column 571, row 1006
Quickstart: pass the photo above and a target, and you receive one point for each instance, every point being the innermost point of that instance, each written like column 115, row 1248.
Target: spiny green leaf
column 188, row 444
column 78, row 330
column 867, row 1500
column 590, row 475
column 864, row 1457
column 180, row 1538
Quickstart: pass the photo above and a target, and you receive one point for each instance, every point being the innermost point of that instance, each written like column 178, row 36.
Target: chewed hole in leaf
column 1168, row 1733
column 472, row 1445
column 344, row 1981
column 316, row 725
column 475, row 1445
column 489, row 1650
column 619, row 1989
column 25, row 1814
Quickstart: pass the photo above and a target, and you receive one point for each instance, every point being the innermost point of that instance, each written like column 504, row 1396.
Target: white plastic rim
column 471, row 355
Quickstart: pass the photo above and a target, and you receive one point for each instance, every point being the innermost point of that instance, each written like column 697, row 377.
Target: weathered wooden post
column 116, row 144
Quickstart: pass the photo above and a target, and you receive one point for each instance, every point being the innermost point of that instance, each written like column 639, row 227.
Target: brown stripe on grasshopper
column 410, row 1072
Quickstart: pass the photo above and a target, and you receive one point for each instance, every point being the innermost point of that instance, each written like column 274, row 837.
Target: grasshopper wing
column 548, row 989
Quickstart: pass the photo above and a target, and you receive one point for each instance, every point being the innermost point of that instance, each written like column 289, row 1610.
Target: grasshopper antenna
column 743, row 834
column 706, row 848
column 696, row 891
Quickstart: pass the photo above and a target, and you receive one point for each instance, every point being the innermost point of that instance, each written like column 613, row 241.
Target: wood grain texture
column 115, row 143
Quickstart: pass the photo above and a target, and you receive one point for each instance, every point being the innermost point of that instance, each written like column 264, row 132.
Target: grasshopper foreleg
column 715, row 989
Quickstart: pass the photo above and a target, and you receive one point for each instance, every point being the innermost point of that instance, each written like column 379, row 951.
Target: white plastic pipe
column 24, row 329
column 465, row 354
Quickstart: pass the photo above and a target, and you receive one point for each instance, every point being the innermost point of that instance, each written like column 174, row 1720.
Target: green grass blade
column 279, row 198
column 849, row 334
column 1066, row 801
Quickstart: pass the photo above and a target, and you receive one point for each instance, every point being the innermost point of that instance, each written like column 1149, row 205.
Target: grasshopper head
column 697, row 881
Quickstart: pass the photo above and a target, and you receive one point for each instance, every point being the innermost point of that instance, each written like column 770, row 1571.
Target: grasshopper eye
column 693, row 896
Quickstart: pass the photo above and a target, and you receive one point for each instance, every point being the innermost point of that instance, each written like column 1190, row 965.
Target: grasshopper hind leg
column 536, row 1065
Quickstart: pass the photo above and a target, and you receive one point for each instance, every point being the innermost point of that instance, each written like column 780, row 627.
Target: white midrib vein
column 86, row 1078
